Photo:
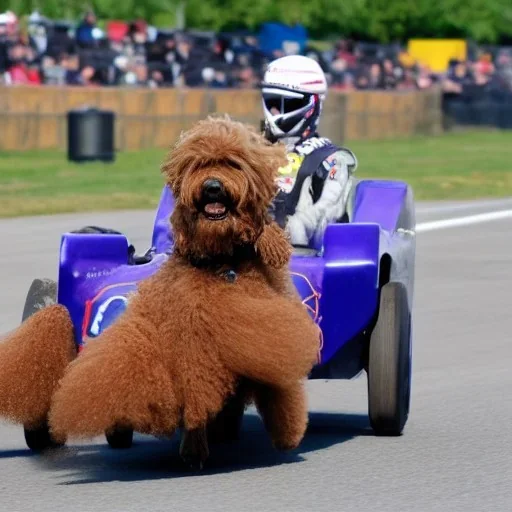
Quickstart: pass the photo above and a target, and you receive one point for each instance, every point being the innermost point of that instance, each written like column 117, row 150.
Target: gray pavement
column 455, row 453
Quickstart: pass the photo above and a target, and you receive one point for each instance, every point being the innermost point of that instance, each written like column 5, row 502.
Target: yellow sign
column 437, row 53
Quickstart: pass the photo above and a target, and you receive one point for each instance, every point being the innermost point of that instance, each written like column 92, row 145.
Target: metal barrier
column 485, row 111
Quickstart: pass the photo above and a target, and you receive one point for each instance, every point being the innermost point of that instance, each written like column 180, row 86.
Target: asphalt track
column 455, row 453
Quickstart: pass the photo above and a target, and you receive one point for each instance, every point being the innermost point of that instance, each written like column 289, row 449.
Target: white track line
column 473, row 205
column 463, row 221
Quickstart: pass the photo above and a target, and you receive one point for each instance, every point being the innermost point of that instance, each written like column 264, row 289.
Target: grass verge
column 457, row 165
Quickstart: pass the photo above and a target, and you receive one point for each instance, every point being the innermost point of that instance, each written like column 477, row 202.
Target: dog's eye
column 234, row 165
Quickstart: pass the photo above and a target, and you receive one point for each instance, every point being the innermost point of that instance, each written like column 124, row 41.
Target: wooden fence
column 35, row 117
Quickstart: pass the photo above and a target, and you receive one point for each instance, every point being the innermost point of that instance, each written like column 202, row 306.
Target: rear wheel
column 120, row 438
column 389, row 364
column 42, row 293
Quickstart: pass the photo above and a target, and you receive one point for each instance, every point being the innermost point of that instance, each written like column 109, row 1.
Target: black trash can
column 91, row 135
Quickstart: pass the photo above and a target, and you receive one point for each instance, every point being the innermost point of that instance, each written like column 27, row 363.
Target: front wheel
column 389, row 365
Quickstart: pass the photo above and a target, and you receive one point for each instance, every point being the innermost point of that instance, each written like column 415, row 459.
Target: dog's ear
column 172, row 174
column 273, row 246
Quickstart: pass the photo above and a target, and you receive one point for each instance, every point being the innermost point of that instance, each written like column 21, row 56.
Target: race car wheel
column 39, row 438
column 42, row 293
column 389, row 365
column 120, row 438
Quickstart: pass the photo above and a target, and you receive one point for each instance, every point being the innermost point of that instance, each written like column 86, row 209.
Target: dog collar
column 229, row 275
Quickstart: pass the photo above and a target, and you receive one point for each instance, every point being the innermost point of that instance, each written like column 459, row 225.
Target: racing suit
column 313, row 189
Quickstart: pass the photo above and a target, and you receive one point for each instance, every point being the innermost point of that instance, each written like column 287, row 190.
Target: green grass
column 458, row 165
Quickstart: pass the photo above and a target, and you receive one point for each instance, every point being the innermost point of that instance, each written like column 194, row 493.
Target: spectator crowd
column 138, row 55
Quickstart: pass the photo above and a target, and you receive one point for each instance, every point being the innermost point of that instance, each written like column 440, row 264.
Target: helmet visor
column 287, row 109
column 278, row 104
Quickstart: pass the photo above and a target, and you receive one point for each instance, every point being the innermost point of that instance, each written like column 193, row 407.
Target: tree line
column 385, row 21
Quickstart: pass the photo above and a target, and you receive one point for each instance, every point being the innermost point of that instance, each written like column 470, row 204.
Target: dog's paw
column 273, row 247
column 286, row 445
column 287, row 440
column 194, row 449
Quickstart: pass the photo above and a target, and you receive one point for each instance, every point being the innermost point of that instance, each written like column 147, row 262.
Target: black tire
column 39, row 439
column 389, row 365
column 120, row 438
column 42, row 293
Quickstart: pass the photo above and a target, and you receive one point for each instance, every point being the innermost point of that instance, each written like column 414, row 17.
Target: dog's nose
column 212, row 188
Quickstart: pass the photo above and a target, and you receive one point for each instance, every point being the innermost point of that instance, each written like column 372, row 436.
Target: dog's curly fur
column 32, row 360
column 193, row 347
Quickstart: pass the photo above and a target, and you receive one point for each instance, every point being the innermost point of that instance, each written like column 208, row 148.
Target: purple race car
column 358, row 286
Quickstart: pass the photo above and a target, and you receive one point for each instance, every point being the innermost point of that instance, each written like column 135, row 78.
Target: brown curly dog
column 220, row 324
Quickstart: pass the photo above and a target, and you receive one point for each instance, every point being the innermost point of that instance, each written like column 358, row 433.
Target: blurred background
column 161, row 43
column 413, row 85
column 464, row 46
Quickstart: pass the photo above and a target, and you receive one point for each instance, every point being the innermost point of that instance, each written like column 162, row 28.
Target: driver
column 314, row 186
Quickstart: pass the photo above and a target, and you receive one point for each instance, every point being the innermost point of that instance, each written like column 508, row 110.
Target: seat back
column 346, row 216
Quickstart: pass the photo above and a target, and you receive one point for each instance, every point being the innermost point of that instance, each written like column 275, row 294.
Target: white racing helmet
column 293, row 92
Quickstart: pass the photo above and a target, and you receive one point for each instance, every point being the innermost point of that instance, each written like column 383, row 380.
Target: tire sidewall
column 42, row 293
column 390, row 348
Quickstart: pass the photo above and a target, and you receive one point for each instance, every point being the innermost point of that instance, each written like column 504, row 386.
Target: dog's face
column 222, row 174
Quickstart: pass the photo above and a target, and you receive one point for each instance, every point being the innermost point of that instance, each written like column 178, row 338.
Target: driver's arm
column 330, row 206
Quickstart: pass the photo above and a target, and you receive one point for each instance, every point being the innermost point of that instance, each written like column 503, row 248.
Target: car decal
column 104, row 308
column 311, row 300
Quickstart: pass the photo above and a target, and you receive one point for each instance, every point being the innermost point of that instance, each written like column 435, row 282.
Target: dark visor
column 284, row 105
